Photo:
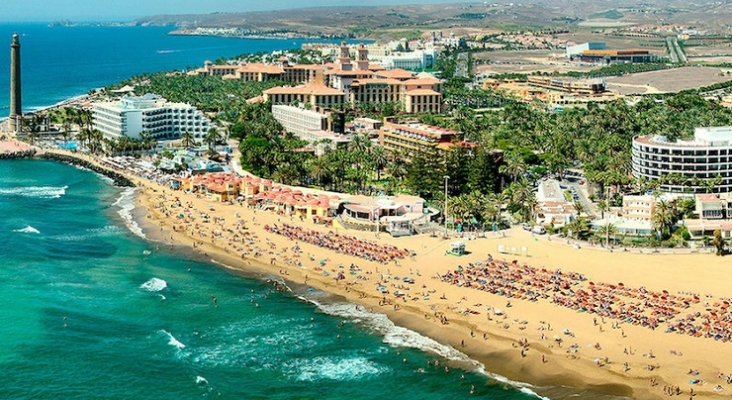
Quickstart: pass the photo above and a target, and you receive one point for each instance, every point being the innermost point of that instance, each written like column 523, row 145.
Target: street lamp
column 376, row 219
column 446, row 177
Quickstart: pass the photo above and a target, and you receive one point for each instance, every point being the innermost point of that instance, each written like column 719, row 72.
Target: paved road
column 677, row 55
column 582, row 195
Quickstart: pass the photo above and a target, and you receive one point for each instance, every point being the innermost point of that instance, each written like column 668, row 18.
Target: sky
column 125, row 10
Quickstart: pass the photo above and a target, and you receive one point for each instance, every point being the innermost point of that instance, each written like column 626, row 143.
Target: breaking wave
column 154, row 285
column 398, row 336
column 41, row 192
column 28, row 229
column 126, row 204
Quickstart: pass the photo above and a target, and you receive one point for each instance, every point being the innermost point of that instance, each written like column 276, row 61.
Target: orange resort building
column 314, row 94
column 686, row 166
column 334, row 84
column 133, row 115
column 398, row 215
column 413, row 138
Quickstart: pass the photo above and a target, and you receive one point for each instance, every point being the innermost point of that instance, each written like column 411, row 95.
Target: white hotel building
column 133, row 115
column 307, row 125
column 705, row 157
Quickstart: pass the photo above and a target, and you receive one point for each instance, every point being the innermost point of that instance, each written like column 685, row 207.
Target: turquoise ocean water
column 92, row 310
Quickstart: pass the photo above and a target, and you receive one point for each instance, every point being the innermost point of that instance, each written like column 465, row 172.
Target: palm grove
column 516, row 144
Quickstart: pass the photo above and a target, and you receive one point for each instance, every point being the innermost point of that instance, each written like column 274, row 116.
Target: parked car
column 538, row 229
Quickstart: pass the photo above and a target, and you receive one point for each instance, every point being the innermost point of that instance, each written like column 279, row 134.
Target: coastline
column 564, row 375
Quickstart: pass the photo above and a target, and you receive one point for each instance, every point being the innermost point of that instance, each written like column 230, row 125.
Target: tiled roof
column 394, row 73
column 305, row 90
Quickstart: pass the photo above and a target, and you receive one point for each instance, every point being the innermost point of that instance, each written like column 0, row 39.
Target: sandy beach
column 557, row 315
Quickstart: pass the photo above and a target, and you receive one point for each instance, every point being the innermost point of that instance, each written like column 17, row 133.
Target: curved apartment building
column 151, row 113
column 706, row 157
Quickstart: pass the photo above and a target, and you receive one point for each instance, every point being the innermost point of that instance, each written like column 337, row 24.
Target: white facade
column 298, row 120
column 692, row 162
column 578, row 49
column 133, row 115
column 412, row 61
column 307, row 125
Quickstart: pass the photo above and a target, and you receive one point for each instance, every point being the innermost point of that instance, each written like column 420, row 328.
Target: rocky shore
column 18, row 154
column 119, row 179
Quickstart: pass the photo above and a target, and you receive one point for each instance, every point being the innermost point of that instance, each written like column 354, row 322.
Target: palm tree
column 380, row 160
column 66, row 131
column 96, row 137
column 522, row 198
column 603, row 206
column 147, row 140
column 33, row 125
column 492, row 208
column 610, row 230
column 85, row 118
column 211, row 138
column 514, row 167
column 663, row 218
column 579, row 207
column 578, row 227
column 187, row 139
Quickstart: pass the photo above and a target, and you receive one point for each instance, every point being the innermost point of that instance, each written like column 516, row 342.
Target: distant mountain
column 372, row 20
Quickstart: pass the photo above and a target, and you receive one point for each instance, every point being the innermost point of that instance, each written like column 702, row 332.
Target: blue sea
column 60, row 62
column 92, row 309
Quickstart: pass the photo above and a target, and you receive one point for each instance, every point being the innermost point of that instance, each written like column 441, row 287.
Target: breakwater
column 119, row 179
column 18, row 154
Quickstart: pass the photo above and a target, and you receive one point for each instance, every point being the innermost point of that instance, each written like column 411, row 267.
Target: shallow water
column 88, row 314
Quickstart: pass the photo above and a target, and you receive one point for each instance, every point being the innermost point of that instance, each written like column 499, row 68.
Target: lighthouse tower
column 16, row 106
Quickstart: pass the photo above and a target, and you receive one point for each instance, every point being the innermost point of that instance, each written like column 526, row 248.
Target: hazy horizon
column 93, row 10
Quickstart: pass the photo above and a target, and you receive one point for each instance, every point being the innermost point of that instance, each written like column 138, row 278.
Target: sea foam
column 28, row 229
column 106, row 231
column 154, row 285
column 337, row 369
column 126, row 204
column 173, row 341
column 41, row 192
column 398, row 336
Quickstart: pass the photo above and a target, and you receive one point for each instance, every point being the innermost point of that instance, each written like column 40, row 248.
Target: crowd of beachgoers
column 638, row 306
column 242, row 236
column 351, row 245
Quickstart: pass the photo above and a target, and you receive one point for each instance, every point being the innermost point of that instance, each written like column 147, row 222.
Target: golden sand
column 601, row 356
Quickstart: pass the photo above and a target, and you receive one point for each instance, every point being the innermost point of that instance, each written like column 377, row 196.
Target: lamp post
column 376, row 219
column 446, row 178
